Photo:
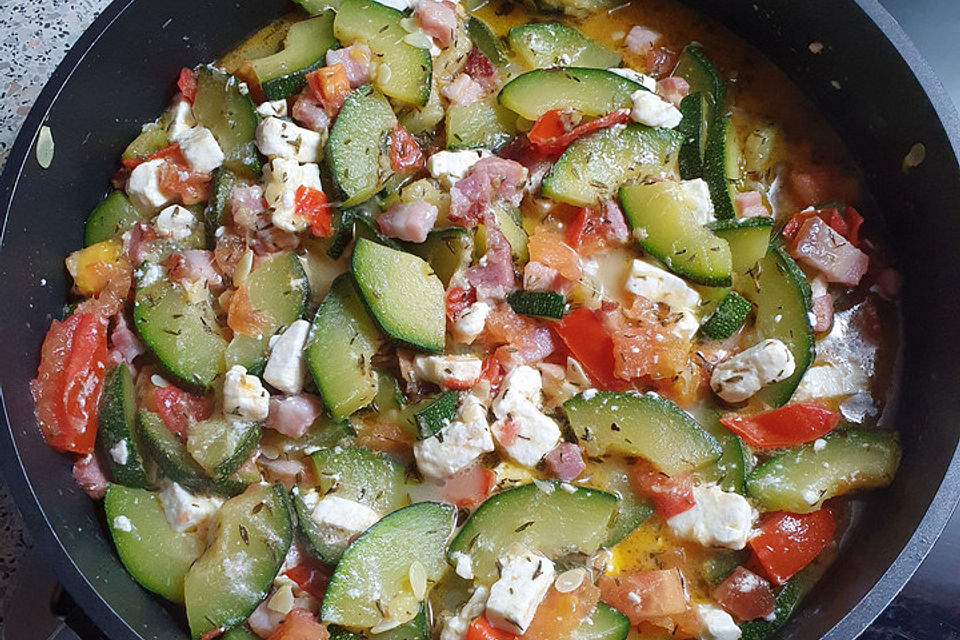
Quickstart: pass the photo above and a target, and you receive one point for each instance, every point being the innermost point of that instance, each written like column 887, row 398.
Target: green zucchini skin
column 693, row 127
column 486, row 41
column 304, row 49
column 721, row 168
column 438, row 414
column 786, row 602
column 543, row 304
column 117, row 424
column 729, row 316
column 447, row 251
column 592, row 92
column 221, row 446
column 603, row 623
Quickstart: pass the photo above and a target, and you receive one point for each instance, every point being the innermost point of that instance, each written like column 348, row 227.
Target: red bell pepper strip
column 788, row 542
column 787, row 426
column 69, row 382
column 311, row 204
column 588, row 341
column 549, row 133
column 405, row 153
column 670, row 495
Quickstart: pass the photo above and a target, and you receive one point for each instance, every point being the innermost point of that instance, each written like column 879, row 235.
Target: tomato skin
column 746, row 595
column 458, row 299
column 405, row 153
column 588, row 341
column 330, row 86
column 311, row 204
column 179, row 409
column 788, row 542
column 669, row 495
column 300, row 624
column 787, row 426
column 549, row 134
column 311, row 576
column 644, row 595
column 187, row 83
column 846, row 224
column 481, row 629
column 69, row 382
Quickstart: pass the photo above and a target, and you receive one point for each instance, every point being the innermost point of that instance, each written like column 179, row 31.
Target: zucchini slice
column 446, row 250
column 574, row 8
column 404, row 69
column 542, row 46
column 597, row 165
column 484, row 39
column 280, row 292
column 787, row 599
column 603, row 623
column 729, row 316
column 780, row 294
column 481, row 125
column 304, row 49
column 357, row 140
column 373, row 574
column 221, row 445
column 249, row 539
column 403, row 294
column 721, row 167
column 693, row 127
column 117, row 432
column 632, row 509
column 510, row 221
column 368, row 477
column 110, row 218
column 155, row 555
column 694, row 67
column 552, row 521
column 592, row 92
column 801, row 479
column 183, row 334
column 231, row 118
column 222, row 185
column 748, row 239
column 543, row 304
column 662, row 220
column 434, row 416
column 647, row 425
column 152, row 137
column 416, row 629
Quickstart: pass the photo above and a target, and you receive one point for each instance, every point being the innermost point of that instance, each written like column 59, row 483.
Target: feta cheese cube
column 275, row 108
column 742, row 375
column 122, row 523
column 450, row 166
column 471, row 322
column 653, row 111
column 661, row 286
column 640, row 78
column 244, row 395
column 524, row 433
column 200, row 149
column 340, row 520
column 185, row 511
column 458, row 444
column 286, row 367
column 524, row 581
column 697, row 198
column 717, row 519
column 455, row 627
column 180, row 117
column 282, row 177
column 143, row 187
column 449, row 372
column 717, row 623
column 280, row 138
column 175, row 223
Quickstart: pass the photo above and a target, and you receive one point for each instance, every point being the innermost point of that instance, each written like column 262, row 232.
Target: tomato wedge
column 312, row 205
column 787, row 426
column 187, row 83
column 481, row 629
column 590, row 344
column 549, row 133
column 69, row 381
column 669, row 495
column 788, row 542
column 405, row 153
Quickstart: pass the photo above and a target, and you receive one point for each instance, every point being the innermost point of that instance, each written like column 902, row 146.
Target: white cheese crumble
column 448, row 167
column 200, row 149
column 471, row 322
column 653, row 111
column 244, row 395
column 143, row 186
column 717, row 519
column 280, row 138
column 286, row 367
column 175, row 222
column 742, row 375
column 717, row 623
column 524, row 580
column 524, row 433
column 340, row 520
column 120, row 453
column 452, row 372
column 275, row 108
column 122, row 523
column 661, row 286
column 456, row 445
column 184, row 510
column 281, row 178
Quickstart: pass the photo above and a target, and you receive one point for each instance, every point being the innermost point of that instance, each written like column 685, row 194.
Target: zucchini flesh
column 151, row 138
column 662, row 220
column 249, row 539
column 510, row 222
column 223, row 183
column 721, row 167
column 304, row 49
column 280, row 292
column 152, row 552
column 632, row 509
column 801, row 479
column 408, row 67
column 481, row 125
column 603, row 623
column 542, row 46
column 693, row 127
column 592, row 92
column 780, row 294
column 343, row 340
column 183, row 334
column 221, row 445
column 543, row 304
column 375, row 568
column 116, row 418
column 438, row 414
column 447, row 251
column 484, row 39
column 694, row 67
column 647, row 425
column 552, row 521
column 109, row 219
column 729, row 316
column 231, row 118
column 403, row 294
column 748, row 239
column 595, row 166
column 416, row 629
column 368, row 477
column 357, row 140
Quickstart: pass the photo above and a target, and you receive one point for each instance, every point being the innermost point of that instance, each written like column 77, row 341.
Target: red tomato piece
column 669, row 495
column 458, row 299
column 312, row 204
column 178, row 179
column 746, row 595
column 788, row 542
column 179, row 409
column 644, row 595
column 588, row 341
column 469, row 487
column 330, row 85
column 846, row 224
column 311, row 576
column 69, row 381
column 405, row 153
column 492, row 372
column 481, row 629
column 549, row 133
column 300, row 624
column 187, row 83
column 787, row 426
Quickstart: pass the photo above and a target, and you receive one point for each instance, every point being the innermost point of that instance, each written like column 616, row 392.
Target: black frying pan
column 118, row 76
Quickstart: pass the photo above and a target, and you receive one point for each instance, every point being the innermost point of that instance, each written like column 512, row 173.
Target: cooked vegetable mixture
column 414, row 320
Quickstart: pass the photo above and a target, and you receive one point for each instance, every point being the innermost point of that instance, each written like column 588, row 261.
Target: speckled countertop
column 34, row 37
